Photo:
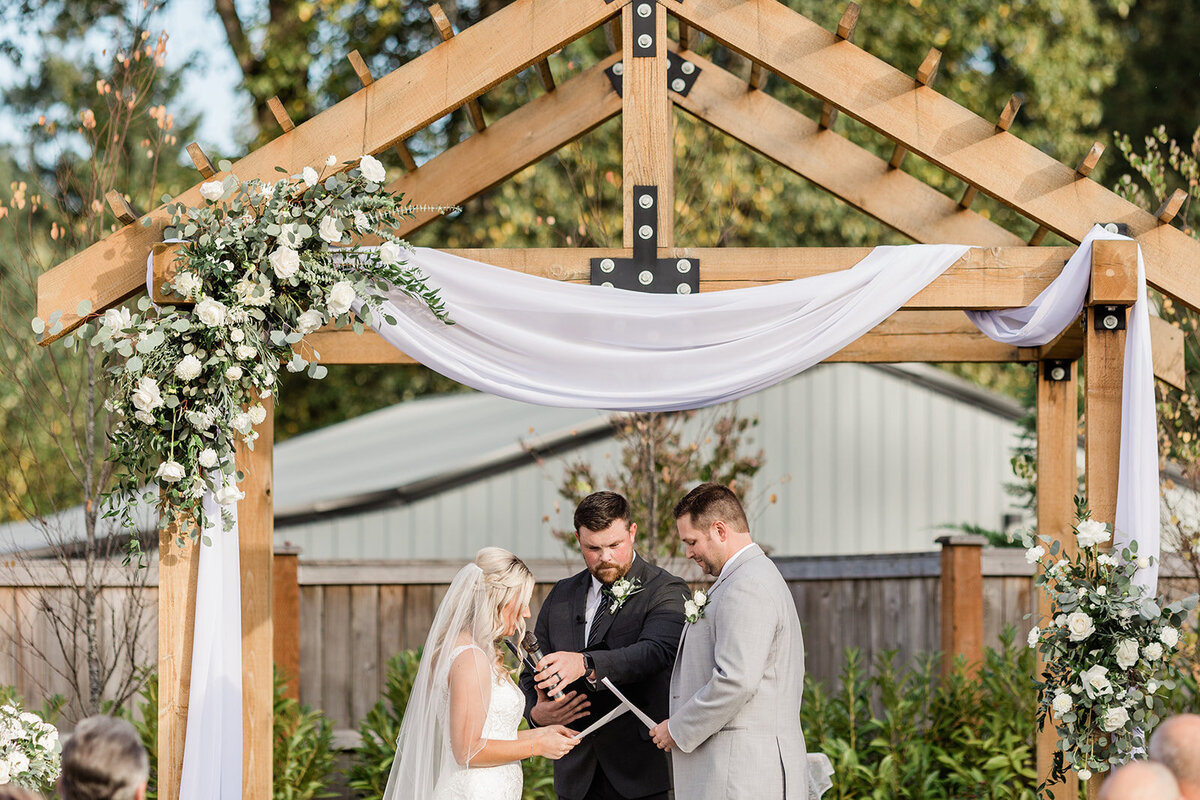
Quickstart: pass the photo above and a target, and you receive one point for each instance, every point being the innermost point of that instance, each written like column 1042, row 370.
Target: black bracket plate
column 645, row 272
column 1108, row 318
column 645, row 45
column 681, row 75
column 1056, row 370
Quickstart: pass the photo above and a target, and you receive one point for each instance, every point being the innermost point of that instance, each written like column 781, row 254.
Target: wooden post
column 1057, row 479
column 256, row 527
column 287, row 618
column 647, row 123
column 962, row 600
column 177, row 574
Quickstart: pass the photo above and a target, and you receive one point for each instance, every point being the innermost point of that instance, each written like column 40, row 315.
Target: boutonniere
column 693, row 607
column 620, row 591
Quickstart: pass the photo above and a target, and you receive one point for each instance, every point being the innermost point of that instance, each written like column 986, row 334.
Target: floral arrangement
column 693, row 607
column 1106, row 648
column 29, row 749
column 621, row 591
column 262, row 265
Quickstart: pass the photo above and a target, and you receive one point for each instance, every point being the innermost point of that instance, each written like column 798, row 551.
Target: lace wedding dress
column 489, row 783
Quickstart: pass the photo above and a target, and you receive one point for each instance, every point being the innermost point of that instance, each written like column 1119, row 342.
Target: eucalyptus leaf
column 293, row 337
column 56, row 328
column 38, row 325
column 144, row 304
column 224, row 165
column 84, row 308
column 134, row 364
column 54, row 317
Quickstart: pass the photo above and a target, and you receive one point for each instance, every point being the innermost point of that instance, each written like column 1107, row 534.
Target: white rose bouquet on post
column 29, row 749
column 1106, row 648
column 261, row 266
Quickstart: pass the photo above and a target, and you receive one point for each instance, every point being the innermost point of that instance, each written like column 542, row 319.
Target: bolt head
column 646, row 200
column 645, row 231
column 645, row 277
column 645, row 41
column 618, row 68
column 1109, row 322
column 607, row 265
column 684, row 266
column 644, row 10
column 683, row 288
column 678, row 85
column 607, row 285
column 688, row 68
column 1058, row 374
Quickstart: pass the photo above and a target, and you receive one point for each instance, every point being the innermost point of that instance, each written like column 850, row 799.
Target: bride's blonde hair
column 506, row 577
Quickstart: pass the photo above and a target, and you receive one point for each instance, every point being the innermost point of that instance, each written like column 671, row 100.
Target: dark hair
column 710, row 502
column 103, row 760
column 600, row 509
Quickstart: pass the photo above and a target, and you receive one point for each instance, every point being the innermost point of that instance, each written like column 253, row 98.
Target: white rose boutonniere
column 694, row 606
column 620, row 591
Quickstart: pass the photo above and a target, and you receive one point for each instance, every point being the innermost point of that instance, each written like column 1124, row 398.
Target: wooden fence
column 338, row 623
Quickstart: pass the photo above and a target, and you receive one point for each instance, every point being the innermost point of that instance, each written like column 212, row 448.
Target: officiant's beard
column 611, row 573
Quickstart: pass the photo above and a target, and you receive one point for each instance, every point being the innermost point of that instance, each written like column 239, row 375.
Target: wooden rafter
column 375, row 118
column 942, row 132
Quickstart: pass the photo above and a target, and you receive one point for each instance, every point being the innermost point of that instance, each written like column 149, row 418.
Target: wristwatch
column 589, row 668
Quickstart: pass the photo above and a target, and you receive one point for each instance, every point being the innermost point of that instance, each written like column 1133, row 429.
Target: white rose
column 689, row 608
column 1034, row 553
column 1061, row 620
column 1143, row 562
column 1062, row 703
column 341, row 295
column 288, row 234
column 1090, row 533
column 253, row 293
column 1127, row 653
column 619, row 590
column 228, row 494
column 309, row 321
column 146, row 396
column 198, row 488
column 389, row 252
column 188, row 368
column 236, row 335
column 5, row 771
column 1085, row 774
column 1152, row 687
column 1033, row 636
column 332, row 160
column 1080, row 626
column 212, row 191
column 1106, row 560
column 285, row 261
column 1169, row 636
column 234, row 373
column 1095, row 681
column 360, row 220
column 211, row 312
column 1152, row 651
column 170, row 472
column 329, row 229
column 241, row 423
column 245, row 352
column 187, row 284
column 19, row 762
column 371, row 169
column 207, row 458
column 310, row 176
column 257, row 414
column 1115, row 719
column 144, row 417
column 700, row 597
column 117, row 318
column 1102, row 590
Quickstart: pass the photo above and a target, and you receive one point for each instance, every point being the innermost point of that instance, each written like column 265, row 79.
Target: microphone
column 530, row 643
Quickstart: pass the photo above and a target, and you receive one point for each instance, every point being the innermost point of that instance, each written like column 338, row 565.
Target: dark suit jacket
column 635, row 649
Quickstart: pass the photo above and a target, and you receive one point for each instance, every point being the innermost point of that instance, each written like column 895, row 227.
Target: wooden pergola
column 657, row 74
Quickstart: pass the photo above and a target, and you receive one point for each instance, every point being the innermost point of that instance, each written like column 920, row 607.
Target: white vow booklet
column 637, row 712
column 600, row 723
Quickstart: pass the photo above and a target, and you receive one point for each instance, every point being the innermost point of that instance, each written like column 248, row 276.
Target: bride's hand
column 553, row 741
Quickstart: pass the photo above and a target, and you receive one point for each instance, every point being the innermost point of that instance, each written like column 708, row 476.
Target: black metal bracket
column 645, row 45
column 646, row 272
column 1054, row 369
column 1108, row 318
column 681, row 74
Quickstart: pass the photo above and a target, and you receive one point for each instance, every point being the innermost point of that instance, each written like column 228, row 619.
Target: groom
column 735, row 690
column 618, row 619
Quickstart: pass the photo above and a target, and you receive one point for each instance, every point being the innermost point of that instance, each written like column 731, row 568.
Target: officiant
column 620, row 618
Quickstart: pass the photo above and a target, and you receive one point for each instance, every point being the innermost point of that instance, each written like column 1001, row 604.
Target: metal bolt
column 644, row 10
column 688, row 68
column 645, row 41
column 1058, row 374
column 1111, row 227
column 618, row 68
column 607, row 285
column 1109, row 322
column 645, row 277
column 684, row 266
column 607, row 265
column 646, row 200
column 683, row 288
column 678, row 85
column 646, row 231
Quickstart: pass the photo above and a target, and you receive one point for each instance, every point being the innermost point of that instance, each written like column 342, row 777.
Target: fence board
column 338, row 657
column 364, row 653
column 312, row 666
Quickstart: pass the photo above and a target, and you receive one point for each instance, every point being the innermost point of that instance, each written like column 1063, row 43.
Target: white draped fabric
column 552, row 343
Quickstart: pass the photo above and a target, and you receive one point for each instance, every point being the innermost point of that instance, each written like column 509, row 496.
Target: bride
column 459, row 738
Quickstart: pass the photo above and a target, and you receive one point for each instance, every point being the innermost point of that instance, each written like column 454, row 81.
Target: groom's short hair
column 600, row 509
column 710, row 502
column 103, row 760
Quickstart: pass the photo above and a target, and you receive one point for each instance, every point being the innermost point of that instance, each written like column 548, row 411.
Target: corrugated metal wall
column 857, row 459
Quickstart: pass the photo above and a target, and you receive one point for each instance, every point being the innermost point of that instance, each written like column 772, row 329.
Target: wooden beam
column 845, row 32
column 851, row 173
column 685, row 36
column 758, row 76
column 1170, row 207
column 281, row 115
column 1104, row 357
column 1167, row 344
column 944, row 133
column 1114, row 273
column 366, row 79
column 207, row 170
column 1089, row 162
column 962, row 601
column 1038, row 236
column 1057, row 443
column 647, row 127
column 447, row 31
column 514, row 142
column 925, row 75
column 120, row 207
column 285, row 617
column 546, row 75
column 391, row 109
column 1009, row 113
column 256, row 528
column 177, row 577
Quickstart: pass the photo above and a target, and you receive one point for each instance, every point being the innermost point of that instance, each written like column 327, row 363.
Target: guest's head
column 605, row 531
column 1176, row 745
column 1140, row 780
column 712, row 526
column 509, row 586
column 104, row 760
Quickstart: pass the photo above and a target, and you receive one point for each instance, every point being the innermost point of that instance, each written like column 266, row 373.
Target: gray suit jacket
column 736, row 688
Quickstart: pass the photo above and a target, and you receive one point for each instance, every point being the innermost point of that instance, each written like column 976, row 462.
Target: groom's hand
column 559, row 669
column 661, row 735
column 561, row 712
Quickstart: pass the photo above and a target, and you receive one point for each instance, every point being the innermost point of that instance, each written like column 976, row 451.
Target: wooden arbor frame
column 1008, row 273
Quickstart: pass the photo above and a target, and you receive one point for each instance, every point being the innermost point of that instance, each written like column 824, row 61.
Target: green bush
column 303, row 744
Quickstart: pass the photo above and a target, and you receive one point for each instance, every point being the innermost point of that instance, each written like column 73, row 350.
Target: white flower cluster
column 29, row 748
